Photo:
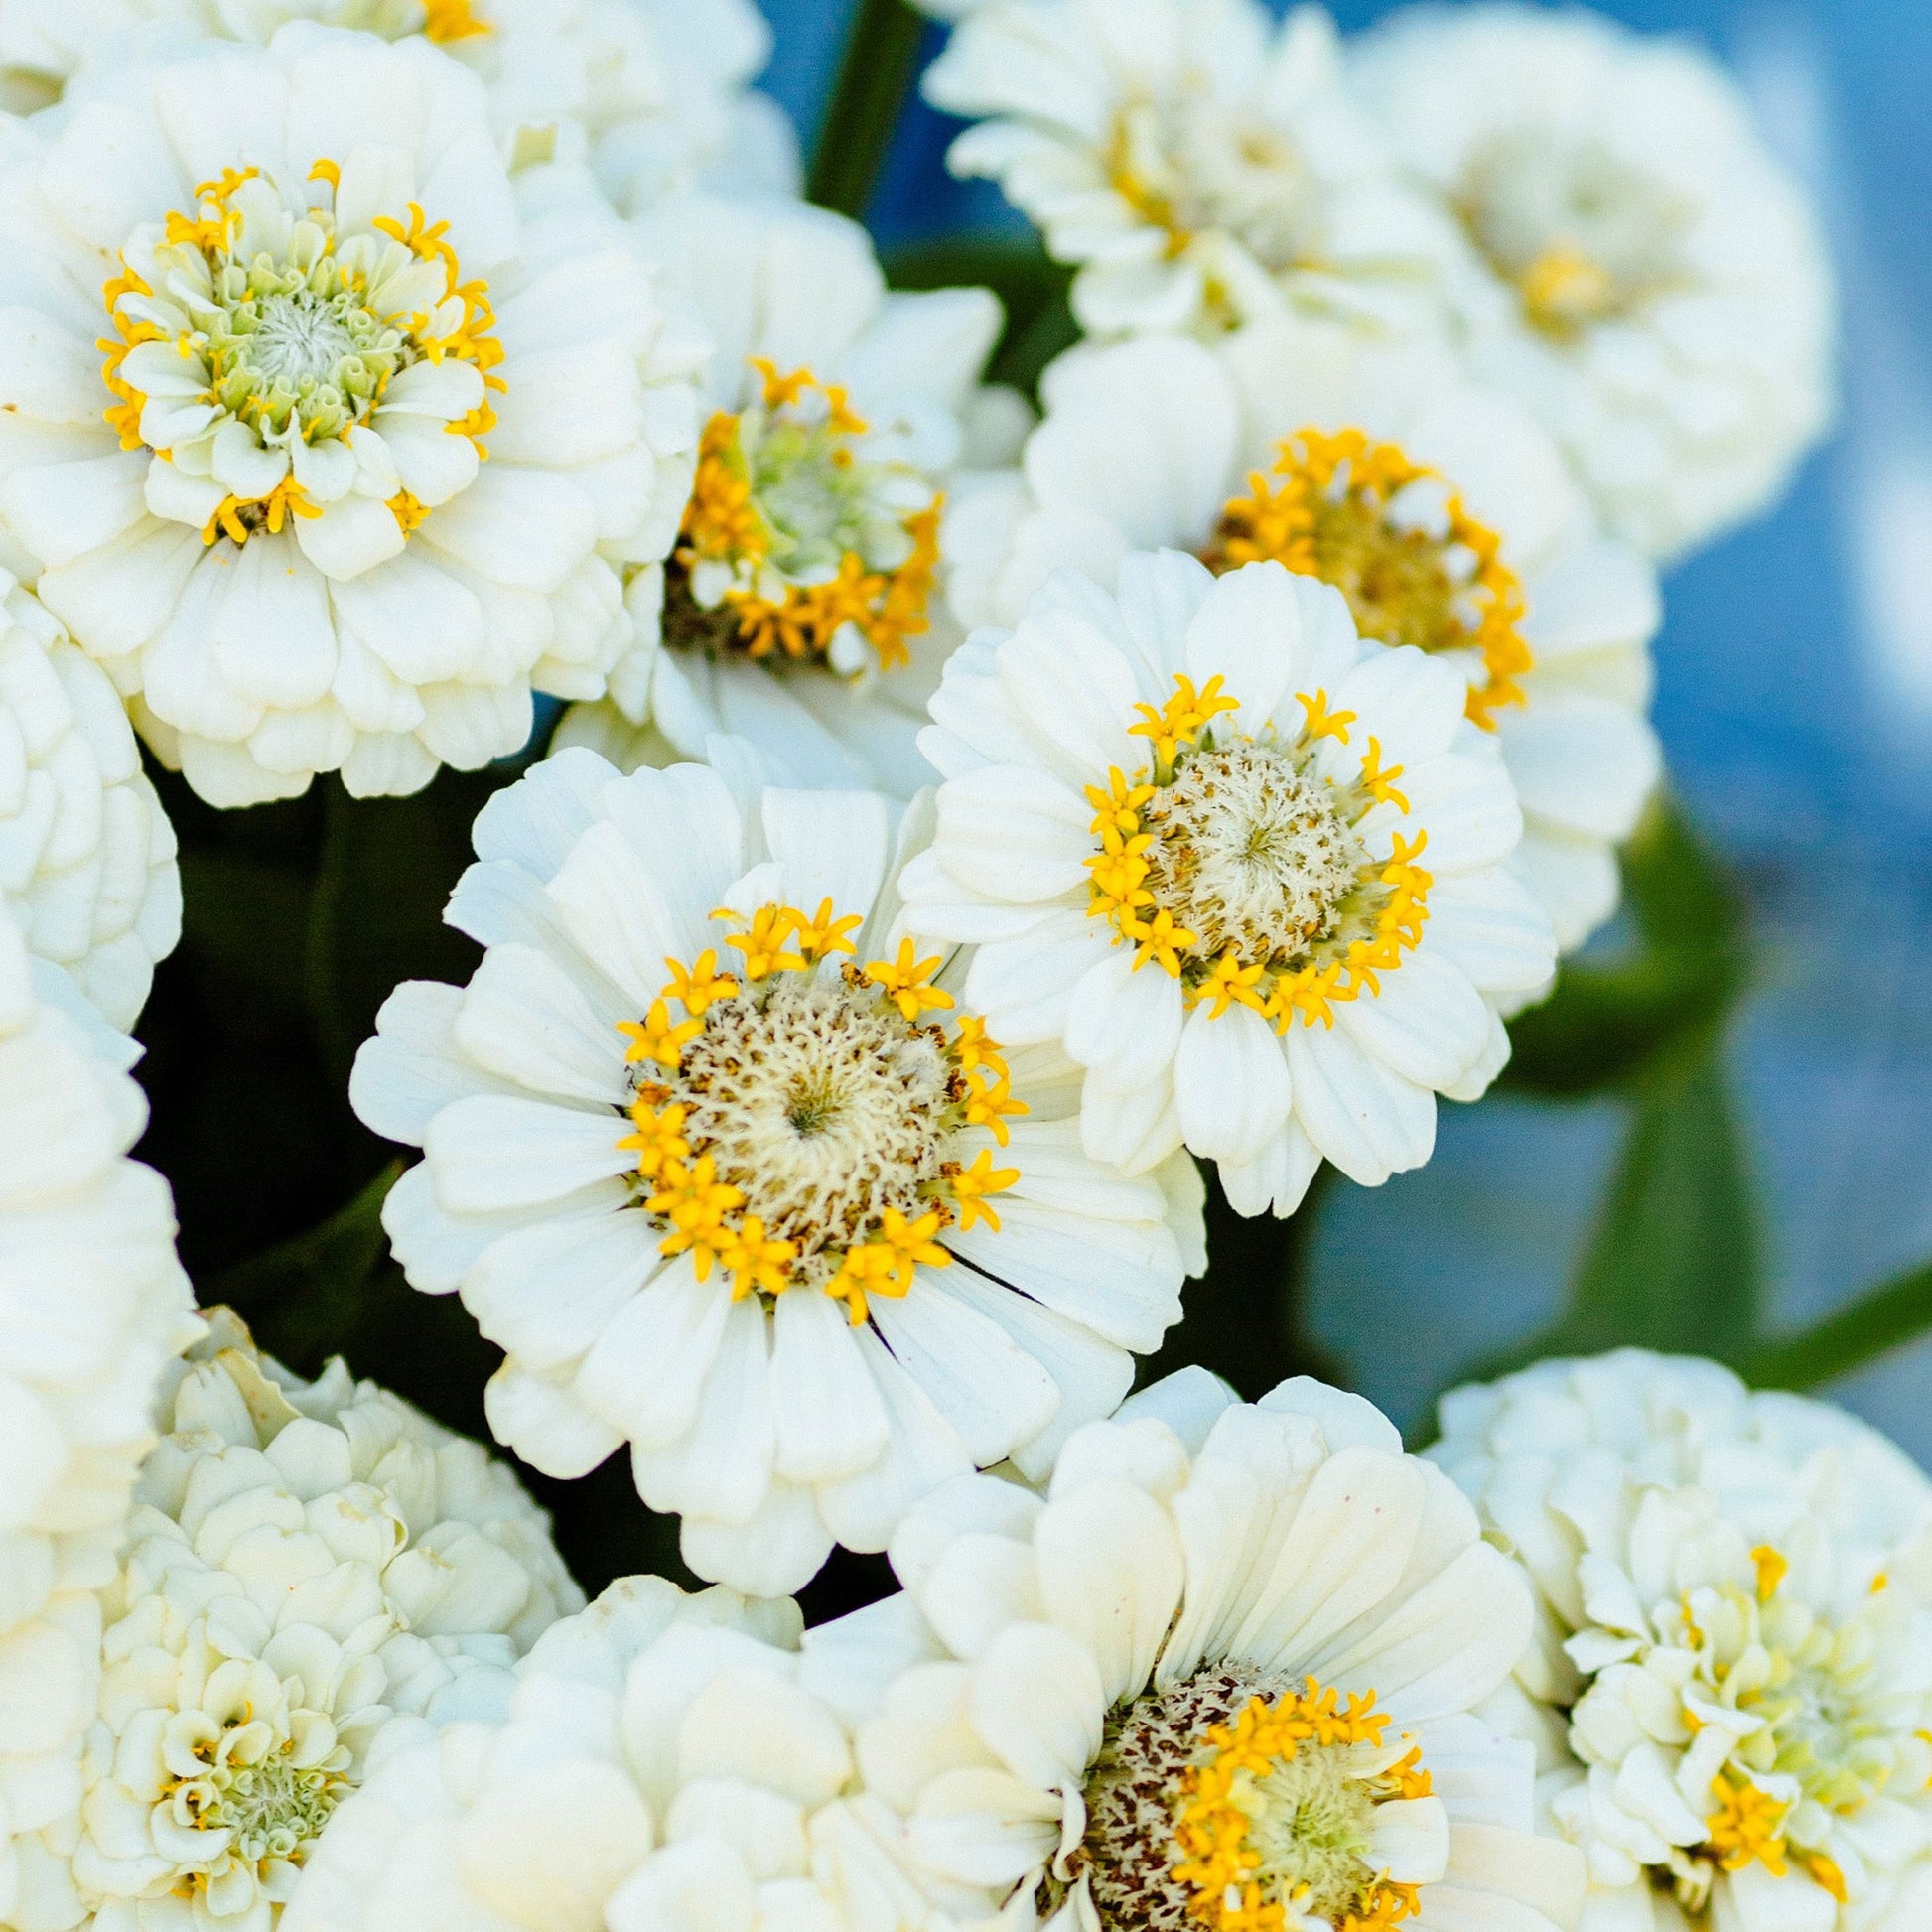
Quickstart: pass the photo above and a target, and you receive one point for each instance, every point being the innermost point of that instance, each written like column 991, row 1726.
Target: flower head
column 1735, row 1633
column 1239, row 832
column 804, row 602
column 357, row 458
column 303, row 1563
column 1438, row 508
column 823, row 1243
column 1620, row 253
column 1201, row 162
column 1124, row 1715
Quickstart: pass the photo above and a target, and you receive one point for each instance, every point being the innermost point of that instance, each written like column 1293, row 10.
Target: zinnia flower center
column 269, row 1785
column 797, row 544
column 1239, row 865
column 1248, row 1802
column 252, row 334
column 1396, row 540
column 1580, row 234
column 799, row 1123
column 1189, row 162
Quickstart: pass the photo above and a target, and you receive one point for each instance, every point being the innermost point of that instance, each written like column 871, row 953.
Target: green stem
column 876, row 70
column 1872, row 1326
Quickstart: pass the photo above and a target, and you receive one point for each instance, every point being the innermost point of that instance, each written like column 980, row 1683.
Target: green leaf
column 300, row 1297
column 1880, row 1321
column 876, row 71
column 1610, row 1023
column 1675, row 1260
column 1245, row 1318
column 388, row 867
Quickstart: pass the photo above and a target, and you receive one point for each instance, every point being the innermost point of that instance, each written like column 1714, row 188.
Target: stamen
column 1333, row 514
column 799, row 1126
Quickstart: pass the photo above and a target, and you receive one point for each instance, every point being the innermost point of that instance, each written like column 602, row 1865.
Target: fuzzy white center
column 822, row 1105
column 1250, row 853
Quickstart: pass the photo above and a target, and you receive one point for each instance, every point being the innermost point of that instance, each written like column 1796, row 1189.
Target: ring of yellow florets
column 1825, row 1727
column 1369, row 914
column 1230, row 1797
column 793, row 541
column 738, row 1074
column 297, row 343
column 1415, row 572
column 1224, row 1811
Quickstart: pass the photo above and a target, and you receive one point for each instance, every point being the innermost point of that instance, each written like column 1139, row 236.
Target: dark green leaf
column 1675, row 1260
column 876, row 71
column 1245, row 1318
column 1883, row 1319
column 1609, row 1021
column 388, row 866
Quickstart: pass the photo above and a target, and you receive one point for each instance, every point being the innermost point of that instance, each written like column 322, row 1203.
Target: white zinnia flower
column 1622, row 253
column 325, row 305
column 787, row 1224
column 666, row 1762
column 303, row 1561
column 1250, row 872
column 657, row 87
column 1440, row 511
column 803, row 607
column 87, row 854
column 1226, row 1675
column 1201, row 162
column 1734, row 1637
column 92, row 1305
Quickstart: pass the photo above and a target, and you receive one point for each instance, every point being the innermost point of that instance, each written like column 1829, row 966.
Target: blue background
column 1795, row 703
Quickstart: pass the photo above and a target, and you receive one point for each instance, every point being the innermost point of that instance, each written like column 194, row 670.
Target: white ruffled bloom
column 655, row 92
column 87, row 854
column 1620, row 253
column 803, row 609
column 790, row 1227
column 1227, row 1672
column 92, row 1305
column 1732, row 1673
column 303, row 1561
column 668, row 1762
column 325, row 304
column 1203, row 162
column 1248, row 871
column 1440, row 511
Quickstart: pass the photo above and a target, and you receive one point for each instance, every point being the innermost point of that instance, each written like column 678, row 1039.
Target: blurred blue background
column 1795, row 703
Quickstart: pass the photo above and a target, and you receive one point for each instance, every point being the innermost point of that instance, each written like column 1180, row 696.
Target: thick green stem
column 876, row 72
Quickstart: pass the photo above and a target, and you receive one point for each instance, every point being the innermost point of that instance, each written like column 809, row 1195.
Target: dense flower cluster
column 976, row 805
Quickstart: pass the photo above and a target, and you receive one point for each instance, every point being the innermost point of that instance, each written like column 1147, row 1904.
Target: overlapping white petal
column 87, row 853
column 773, row 1419
column 655, row 95
column 1159, row 442
column 93, row 1307
column 1286, row 861
column 1049, row 1718
column 1732, row 1669
column 355, row 587
column 1201, row 162
column 304, row 1564
column 666, row 1762
column 1620, row 253
column 789, row 289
